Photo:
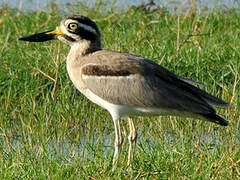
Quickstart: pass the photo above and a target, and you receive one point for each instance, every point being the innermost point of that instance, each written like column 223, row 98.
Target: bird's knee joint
column 132, row 137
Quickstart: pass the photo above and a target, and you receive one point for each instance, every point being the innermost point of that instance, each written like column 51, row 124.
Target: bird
column 127, row 85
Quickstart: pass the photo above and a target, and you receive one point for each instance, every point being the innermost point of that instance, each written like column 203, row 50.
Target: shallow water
column 88, row 146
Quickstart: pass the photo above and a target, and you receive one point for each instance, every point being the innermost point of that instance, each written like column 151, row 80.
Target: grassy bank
column 48, row 130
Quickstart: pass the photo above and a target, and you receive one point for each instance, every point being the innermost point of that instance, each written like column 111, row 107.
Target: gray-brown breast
column 122, row 78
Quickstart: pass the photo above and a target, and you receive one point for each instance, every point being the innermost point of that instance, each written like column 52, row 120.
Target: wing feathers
column 104, row 70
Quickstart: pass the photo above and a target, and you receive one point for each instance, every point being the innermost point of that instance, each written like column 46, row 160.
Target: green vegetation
column 48, row 130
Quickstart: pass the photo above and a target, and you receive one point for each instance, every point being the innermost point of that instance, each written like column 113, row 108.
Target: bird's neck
column 78, row 51
column 84, row 48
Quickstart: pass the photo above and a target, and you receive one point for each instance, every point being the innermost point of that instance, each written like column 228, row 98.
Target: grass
column 48, row 130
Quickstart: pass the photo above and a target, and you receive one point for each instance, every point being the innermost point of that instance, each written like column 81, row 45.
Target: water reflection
column 90, row 146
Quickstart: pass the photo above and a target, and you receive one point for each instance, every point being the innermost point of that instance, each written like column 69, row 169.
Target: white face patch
column 63, row 39
column 63, row 28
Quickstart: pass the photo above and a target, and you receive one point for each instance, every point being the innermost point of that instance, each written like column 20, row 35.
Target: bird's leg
column 118, row 143
column 132, row 138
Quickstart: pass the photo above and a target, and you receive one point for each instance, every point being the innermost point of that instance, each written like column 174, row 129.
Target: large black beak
column 44, row 36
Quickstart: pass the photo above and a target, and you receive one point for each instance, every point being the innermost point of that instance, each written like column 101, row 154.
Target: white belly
column 119, row 111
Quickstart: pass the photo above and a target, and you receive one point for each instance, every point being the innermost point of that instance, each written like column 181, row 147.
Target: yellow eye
column 72, row 26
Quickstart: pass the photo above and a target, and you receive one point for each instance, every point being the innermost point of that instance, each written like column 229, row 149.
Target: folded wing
column 126, row 79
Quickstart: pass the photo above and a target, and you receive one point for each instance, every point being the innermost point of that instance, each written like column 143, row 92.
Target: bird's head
column 72, row 30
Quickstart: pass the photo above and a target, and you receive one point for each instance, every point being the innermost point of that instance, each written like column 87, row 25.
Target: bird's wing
column 125, row 79
column 190, row 81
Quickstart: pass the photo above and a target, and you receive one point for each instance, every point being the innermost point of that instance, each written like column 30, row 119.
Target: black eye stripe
column 85, row 21
column 87, row 29
column 85, row 34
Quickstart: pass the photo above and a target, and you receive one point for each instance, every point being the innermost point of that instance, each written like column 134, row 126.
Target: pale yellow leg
column 118, row 144
column 132, row 138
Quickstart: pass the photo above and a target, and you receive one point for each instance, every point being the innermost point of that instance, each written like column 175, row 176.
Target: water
column 91, row 145
column 171, row 5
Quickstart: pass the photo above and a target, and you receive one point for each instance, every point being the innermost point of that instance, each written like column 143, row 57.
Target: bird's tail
column 215, row 118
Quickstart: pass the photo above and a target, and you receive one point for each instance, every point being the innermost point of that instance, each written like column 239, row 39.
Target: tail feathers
column 215, row 118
